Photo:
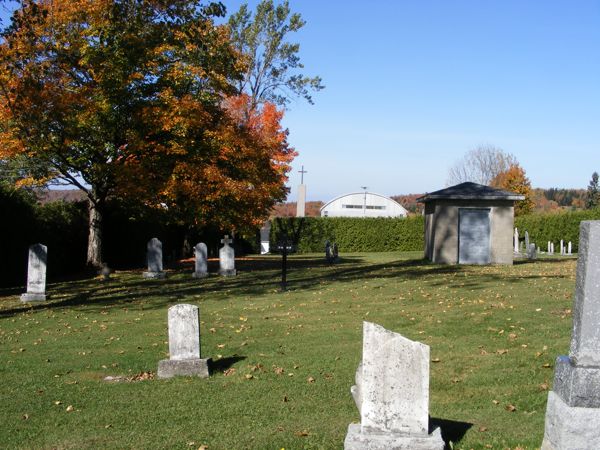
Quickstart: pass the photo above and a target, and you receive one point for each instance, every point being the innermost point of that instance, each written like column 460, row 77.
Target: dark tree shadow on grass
column 257, row 276
column 221, row 365
column 452, row 431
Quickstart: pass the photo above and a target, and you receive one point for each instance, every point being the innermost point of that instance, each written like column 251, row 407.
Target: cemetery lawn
column 284, row 362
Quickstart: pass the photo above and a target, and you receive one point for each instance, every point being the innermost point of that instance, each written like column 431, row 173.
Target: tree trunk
column 94, row 252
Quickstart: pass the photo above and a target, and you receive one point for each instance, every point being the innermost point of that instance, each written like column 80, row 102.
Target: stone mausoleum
column 363, row 204
column 469, row 224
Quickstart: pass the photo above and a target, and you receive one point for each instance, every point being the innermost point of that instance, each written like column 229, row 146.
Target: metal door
column 473, row 236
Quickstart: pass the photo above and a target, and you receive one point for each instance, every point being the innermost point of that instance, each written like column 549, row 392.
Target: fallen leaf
column 249, row 376
column 25, row 416
column 544, row 387
column 502, row 351
column 70, row 408
column 229, row 371
column 482, row 429
column 510, row 407
column 301, row 433
column 310, row 379
column 495, row 402
column 435, row 360
column 278, row 370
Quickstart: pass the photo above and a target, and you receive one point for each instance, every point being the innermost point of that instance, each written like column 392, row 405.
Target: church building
column 363, row 204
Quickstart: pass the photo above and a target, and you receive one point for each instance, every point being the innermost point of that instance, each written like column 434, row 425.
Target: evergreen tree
column 592, row 199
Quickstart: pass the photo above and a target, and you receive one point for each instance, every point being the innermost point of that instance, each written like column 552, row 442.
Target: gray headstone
column 227, row 258
column 392, row 394
column 154, row 257
column 549, row 248
column 527, row 239
column 573, row 410
column 569, row 248
column 328, row 254
column 201, row 266
column 516, row 241
column 265, row 235
column 562, row 247
column 532, row 251
column 184, row 344
column 552, row 248
column 36, row 274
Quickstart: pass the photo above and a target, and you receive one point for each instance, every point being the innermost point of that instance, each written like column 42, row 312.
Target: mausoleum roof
column 470, row 191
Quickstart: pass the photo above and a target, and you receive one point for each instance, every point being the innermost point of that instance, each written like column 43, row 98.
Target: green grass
column 494, row 334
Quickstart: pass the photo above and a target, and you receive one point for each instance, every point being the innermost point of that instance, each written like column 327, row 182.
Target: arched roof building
column 363, row 204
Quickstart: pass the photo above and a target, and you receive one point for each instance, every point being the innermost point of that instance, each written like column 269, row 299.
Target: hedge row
column 352, row 234
column 554, row 226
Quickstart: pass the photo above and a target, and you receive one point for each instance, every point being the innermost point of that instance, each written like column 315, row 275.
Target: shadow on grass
column 257, row 276
column 221, row 365
column 452, row 431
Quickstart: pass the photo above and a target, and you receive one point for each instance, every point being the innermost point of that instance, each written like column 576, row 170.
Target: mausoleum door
column 474, row 236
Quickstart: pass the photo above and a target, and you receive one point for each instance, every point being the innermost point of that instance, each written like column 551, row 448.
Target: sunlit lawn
column 284, row 361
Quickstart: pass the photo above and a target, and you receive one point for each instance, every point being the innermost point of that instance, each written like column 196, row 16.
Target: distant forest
column 553, row 199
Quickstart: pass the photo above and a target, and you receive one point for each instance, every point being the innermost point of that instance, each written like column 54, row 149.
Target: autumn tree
column 514, row 179
column 109, row 96
column 592, row 198
column 242, row 176
column 273, row 64
column 480, row 165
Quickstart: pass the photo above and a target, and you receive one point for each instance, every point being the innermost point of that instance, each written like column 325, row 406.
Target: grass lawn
column 284, row 361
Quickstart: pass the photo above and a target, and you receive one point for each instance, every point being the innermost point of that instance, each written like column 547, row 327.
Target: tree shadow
column 452, row 430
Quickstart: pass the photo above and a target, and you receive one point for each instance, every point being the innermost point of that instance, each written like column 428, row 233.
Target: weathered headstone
column 392, row 394
column 335, row 255
column 184, row 344
column 227, row 258
column 154, row 256
column 105, row 272
column 569, row 248
column 526, row 240
column 328, row 251
column 573, row 409
column 36, row 274
column 516, row 241
column 549, row 248
column 201, row 261
column 552, row 248
column 532, row 251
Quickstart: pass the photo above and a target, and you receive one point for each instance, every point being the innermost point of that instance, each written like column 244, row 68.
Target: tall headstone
column 569, row 248
column 549, row 248
column 154, row 257
column 516, row 241
column 562, row 247
column 201, row 260
column 552, row 248
column 227, row 258
column 36, row 274
column 526, row 240
column 573, row 410
column 184, row 344
column 328, row 252
column 301, row 203
column 392, row 394
column 265, row 238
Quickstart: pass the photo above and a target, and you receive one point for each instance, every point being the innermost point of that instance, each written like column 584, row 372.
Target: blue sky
column 411, row 86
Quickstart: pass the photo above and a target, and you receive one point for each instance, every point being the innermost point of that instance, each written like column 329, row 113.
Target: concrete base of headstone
column 200, row 274
column 356, row 439
column 168, row 368
column 228, row 273
column 570, row 427
column 577, row 385
column 33, row 297
column 154, row 275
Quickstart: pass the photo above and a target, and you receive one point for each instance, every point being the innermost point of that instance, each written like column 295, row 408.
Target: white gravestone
column 392, row 394
column 227, row 258
column 569, row 248
column 201, row 266
column 184, row 344
column 516, row 240
column 552, row 248
column 549, row 247
column 154, row 257
column 573, row 409
column 36, row 274
column 562, row 247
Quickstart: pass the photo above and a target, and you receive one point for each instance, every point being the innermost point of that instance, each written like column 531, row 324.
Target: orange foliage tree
column 514, row 179
column 126, row 98
column 244, row 176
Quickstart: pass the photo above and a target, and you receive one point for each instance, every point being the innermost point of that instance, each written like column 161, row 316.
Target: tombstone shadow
column 221, row 365
column 452, row 431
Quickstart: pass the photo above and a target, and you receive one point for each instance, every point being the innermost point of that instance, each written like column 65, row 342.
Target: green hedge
column 554, row 227
column 353, row 234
